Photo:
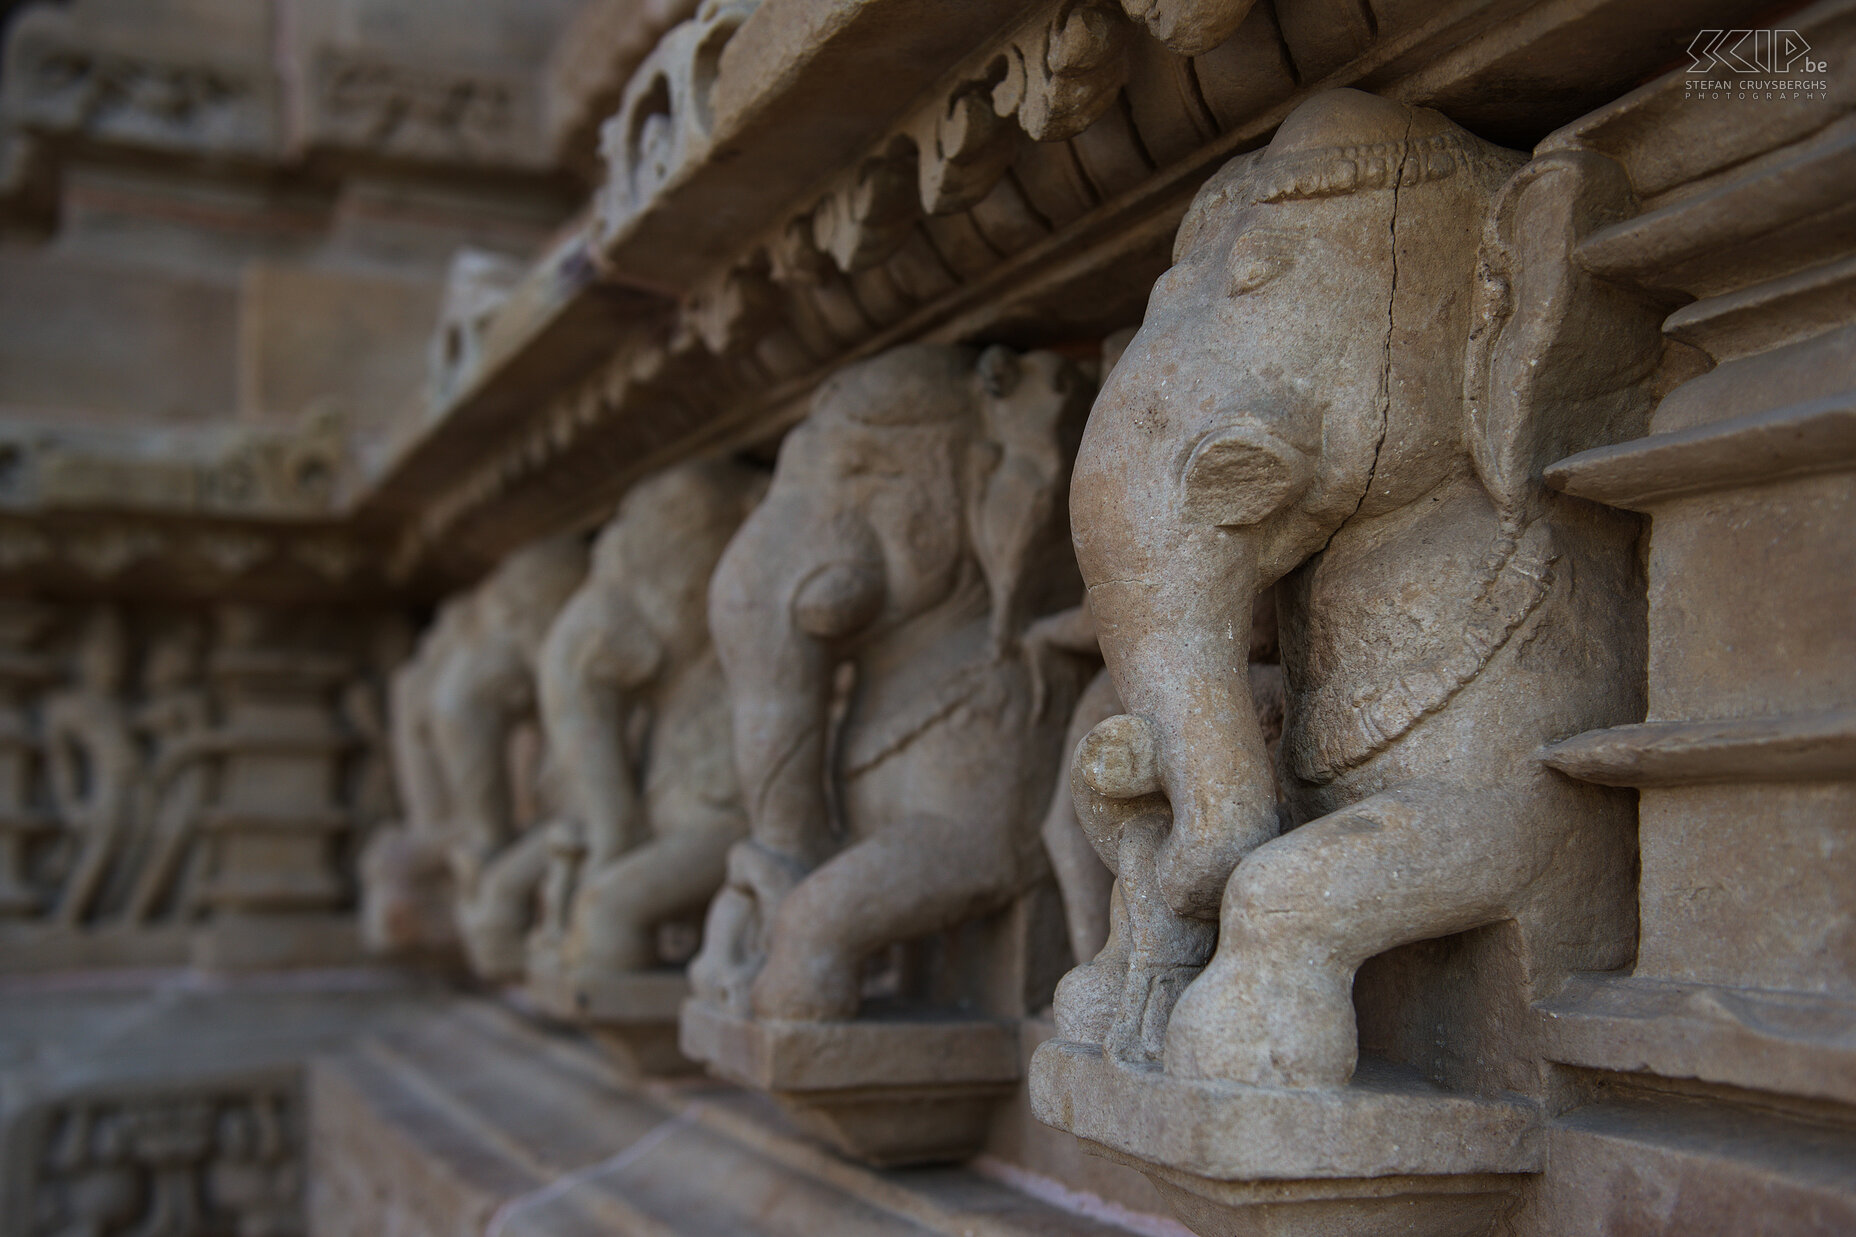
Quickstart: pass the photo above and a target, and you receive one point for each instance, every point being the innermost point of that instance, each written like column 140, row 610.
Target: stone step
column 1678, row 1164
column 478, row 1122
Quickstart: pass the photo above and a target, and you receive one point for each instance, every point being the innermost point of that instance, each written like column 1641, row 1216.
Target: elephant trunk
column 776, row 624
column 1176, row 639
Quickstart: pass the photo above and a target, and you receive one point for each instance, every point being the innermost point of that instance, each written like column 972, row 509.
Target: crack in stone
column 1385, row 369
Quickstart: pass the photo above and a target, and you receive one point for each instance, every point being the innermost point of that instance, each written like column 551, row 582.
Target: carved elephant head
column 1303, row 367
column 922, row 478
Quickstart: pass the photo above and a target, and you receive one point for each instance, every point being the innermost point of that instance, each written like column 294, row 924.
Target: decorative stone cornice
column 949, row 220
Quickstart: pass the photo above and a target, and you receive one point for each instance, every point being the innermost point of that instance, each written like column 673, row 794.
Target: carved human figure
column 635, row 714
column 481, row 694
column 1085, row 876
column 91, row 1184
column 175, row 714
column 1349, row 382
column 93, row 763
column 914, row 526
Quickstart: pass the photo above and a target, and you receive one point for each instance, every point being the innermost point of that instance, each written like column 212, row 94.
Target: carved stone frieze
column 422, row 113
column 227, row 471
column 1063, row 72
column 171, row 1165
column 61, row 81
column 163, row 775
column 1190, row 26
column 1003, row 222
column 1273, row 941
column 663, row 121
column 476, row 285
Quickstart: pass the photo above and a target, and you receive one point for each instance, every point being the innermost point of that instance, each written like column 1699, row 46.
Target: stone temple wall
column 852, row 617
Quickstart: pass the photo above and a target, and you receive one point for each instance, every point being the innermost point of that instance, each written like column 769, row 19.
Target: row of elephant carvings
column 832, row 706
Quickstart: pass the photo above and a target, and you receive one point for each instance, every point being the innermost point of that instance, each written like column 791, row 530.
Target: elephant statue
column 634, row 712
column 406, row 891
column 868, row 618
column 1373, row 339
column 459, row 709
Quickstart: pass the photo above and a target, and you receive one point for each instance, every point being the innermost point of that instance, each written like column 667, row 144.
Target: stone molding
column 952, row 222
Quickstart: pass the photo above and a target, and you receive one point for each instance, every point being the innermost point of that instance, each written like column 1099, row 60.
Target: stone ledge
column 1649, row 1163
column 1818, row 436
column 633, row 1015
column 806, row 1056
column 887, row 1091
column 1387, row 1123
column 1791, row 1042
column 1814, row 747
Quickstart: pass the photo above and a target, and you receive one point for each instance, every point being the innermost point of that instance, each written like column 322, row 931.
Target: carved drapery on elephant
column 635, row 715
column 457, row 705
column 1373, row 340
column 915, row 525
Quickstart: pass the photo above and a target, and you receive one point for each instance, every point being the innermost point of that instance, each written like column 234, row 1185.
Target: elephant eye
column 1256, row 259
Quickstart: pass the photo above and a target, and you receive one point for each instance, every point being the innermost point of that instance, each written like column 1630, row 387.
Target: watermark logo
column 1753, row 64
column 1752, row 51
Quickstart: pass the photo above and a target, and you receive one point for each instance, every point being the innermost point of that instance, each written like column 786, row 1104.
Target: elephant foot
column 1086, row 1000
column 1266, row 1026
column 1148, row 995
column 723, row 970
column 495, row 949
column 807, row 983
column 586, row 969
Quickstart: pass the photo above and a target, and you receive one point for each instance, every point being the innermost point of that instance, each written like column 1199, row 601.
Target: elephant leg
column 494, row 918
column 1081, row 875
column 725, row 966
column 918, row 876
column 734, row 933
column 477, row 702
column 1301, row 913
column 616, row 914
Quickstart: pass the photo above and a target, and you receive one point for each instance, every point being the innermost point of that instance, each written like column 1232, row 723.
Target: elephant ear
column 1031, row 413
column 1558, row 361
